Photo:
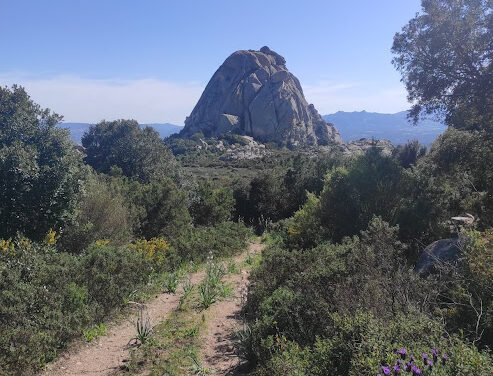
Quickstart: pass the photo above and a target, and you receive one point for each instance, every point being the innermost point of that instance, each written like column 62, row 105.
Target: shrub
column 210, row 206
column 224, row 239
column 112, row 273
column 160, row 208
column 155, row 250
column 465, row 297
column 102, row 214
column 293, row 290
column 360, row 344
column 43, row 304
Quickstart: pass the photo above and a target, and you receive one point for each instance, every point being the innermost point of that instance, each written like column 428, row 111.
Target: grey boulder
column 438, row 253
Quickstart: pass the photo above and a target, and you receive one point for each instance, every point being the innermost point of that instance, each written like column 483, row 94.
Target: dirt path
column 107, row 354
column 223, row 319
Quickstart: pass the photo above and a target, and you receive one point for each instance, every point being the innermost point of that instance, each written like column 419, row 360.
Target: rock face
column 252, row 93
column 437, row 253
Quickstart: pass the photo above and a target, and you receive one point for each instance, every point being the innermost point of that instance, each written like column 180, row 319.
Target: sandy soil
column 108, row 353
column 223, row 320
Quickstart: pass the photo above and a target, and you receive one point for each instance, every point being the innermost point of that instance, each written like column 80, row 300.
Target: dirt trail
column 106, row 354
column 223, row 319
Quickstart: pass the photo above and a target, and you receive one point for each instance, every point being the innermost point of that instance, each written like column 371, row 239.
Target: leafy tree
column 369, row 186
column 444, row 55
column 211, row 206
column 408, row 154
column 40, row 170
column 455, row 175
column 159, row 207
column 139, row 153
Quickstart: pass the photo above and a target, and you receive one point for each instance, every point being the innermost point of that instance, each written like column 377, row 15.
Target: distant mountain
column 77, row 130
column 393, row 127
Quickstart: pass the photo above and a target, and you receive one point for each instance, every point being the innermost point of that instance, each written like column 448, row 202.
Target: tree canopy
column 139, row 153
column 444, row 55
column 40, row 171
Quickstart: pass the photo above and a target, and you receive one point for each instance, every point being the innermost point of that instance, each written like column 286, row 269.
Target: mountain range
column 393, row 127
column 351, row 125
column 77, row 130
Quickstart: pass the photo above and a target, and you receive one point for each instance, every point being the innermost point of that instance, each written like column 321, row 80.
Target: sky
column 150, row 60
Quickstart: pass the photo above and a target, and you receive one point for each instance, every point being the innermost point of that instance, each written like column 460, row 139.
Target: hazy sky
column 150, row 60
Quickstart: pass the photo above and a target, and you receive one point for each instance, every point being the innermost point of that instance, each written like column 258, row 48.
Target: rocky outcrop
column 360, row 146
column 253, row 93
column 251, row 150
column 438, row 253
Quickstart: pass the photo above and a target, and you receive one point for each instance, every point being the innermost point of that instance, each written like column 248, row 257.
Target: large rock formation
column 253, row 93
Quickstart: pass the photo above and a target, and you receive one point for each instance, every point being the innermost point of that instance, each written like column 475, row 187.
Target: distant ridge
column 393, row 127
column 77, row 130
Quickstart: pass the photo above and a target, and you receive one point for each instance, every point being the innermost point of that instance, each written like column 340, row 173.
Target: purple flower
column 425, row 357
column 386, row 370
column 408, row 367
column 435, row 355
column 396, row 369
column 444, row 358
column 412, row 358
column 402, row 353
column 416, row 371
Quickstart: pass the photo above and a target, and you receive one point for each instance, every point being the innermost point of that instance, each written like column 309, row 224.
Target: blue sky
column 150, row 60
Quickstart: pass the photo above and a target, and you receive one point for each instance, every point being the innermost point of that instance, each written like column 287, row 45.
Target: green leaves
column 444, row 55
column 40, row 171
column 139, row 153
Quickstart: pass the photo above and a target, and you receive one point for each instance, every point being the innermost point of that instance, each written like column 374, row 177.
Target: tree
column 161, row 209
column 40, row 170
column 139, row 153
column 371, row 185
column 444, row 55
column 211, row 206
column 408, row 155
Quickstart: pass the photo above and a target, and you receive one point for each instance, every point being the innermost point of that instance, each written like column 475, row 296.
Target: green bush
column 465, row 297
column 43, row 305
column 48, row 297
column 102, row 213
column 159, row 208
column 360, row 344
column 112, row 273
column 453, row 176
column 294, row 290
column 194, row 244
column 210, row 206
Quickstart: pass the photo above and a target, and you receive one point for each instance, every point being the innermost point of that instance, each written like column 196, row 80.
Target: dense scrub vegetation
column 82, row 233
column 336, row 292
column 83, row 230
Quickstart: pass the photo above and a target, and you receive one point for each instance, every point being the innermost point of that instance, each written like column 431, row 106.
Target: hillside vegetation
column 336, row 291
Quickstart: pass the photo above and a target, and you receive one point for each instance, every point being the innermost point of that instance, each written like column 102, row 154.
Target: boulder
column 438, row 253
